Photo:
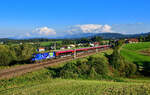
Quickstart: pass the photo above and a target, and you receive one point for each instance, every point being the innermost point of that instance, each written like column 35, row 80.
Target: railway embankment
column 20, row 70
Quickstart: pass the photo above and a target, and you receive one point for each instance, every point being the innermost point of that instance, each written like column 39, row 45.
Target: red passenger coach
column 81, row 50
column 62, row 53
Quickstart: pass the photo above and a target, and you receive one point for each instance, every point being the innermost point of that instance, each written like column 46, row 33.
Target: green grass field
column 40, row 83
column 132, row 52
column 49, row 43
column 137, row 46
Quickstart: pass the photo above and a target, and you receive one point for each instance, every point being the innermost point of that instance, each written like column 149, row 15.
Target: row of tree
column 14, row 54
column 144, row 39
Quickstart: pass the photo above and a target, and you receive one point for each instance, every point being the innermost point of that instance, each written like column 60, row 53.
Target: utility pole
column 75, row 50
column 55, row 45
column 96, row 50
column 75, row 53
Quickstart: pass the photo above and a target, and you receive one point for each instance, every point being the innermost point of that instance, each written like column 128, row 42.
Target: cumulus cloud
column 44, row 31
column 90, row 28
column 28, row 34
column 106, row 28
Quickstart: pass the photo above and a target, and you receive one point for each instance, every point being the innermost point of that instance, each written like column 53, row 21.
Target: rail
column 20, row 70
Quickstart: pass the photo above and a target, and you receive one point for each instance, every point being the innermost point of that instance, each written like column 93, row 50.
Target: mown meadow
column 41, row 83
column 132, row 52
column 138, row 53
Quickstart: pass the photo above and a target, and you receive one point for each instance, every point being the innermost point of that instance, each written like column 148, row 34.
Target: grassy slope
column 40, row 83
column 131, row 52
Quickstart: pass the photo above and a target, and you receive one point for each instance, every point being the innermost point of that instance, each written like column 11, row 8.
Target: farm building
column 94, row 44
column 64, row 47
column 132, row 40
column 41, row 49
column 72, row 46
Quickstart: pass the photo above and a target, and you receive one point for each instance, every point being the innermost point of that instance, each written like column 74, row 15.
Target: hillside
column 40, row 83
column 133, row 52
column 48, row 81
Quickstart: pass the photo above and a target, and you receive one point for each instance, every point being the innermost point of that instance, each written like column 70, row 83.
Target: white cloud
column 106, row 28
column 44, row 31
column 28, row 34
column 90, row 28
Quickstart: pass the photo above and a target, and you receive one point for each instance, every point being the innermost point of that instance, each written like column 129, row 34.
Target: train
column 58, row 54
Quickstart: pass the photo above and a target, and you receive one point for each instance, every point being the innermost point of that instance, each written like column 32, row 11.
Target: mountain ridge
column 89, row 35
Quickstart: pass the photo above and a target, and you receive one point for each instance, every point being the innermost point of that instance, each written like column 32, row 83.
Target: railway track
column 20, row 70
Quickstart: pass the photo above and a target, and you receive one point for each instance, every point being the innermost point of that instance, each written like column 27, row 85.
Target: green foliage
column 96, row 39
column 99, row 64
column 90, row 67
column 147, row 38
column 13, row 54
column 120, row 64
column 130, row 69
column 93, row 73
column 132, row 53
column 22, row 52
column 6, row 56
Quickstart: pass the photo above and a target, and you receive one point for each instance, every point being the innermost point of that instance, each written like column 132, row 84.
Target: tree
column 23, row 52
column 99, row 64
column 148, row 38
column 93, row 73
column 96, row 39
column 118, row 62
column 141, row 38
column 6, row 56
column 84, row 40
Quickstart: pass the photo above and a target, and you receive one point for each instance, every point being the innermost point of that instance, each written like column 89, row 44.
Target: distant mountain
column 89, row 35
column 106, row 35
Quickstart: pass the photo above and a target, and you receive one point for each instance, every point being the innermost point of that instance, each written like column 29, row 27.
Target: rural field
column 137, row 52
column 41, row 83
column 49, row 43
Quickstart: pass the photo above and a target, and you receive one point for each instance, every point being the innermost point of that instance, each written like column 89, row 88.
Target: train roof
column 64, row 51
column 72, row 50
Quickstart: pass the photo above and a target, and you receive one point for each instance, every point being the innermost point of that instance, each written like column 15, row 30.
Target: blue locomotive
column 42, row 56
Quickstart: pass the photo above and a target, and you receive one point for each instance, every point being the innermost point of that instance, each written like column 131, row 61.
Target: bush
column 91, row 67
column 6, row 56
column 123, row 67
column 23, row 52
column 13, row 54
column 68, row 74
column 130, row 69
column 93, row 73
column 99, row 64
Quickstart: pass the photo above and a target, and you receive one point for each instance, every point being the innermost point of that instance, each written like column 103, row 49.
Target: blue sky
column 49, row 18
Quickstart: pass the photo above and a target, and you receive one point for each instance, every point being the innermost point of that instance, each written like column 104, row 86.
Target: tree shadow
column 20, row 62
column 55, row 72
column 143, row 67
